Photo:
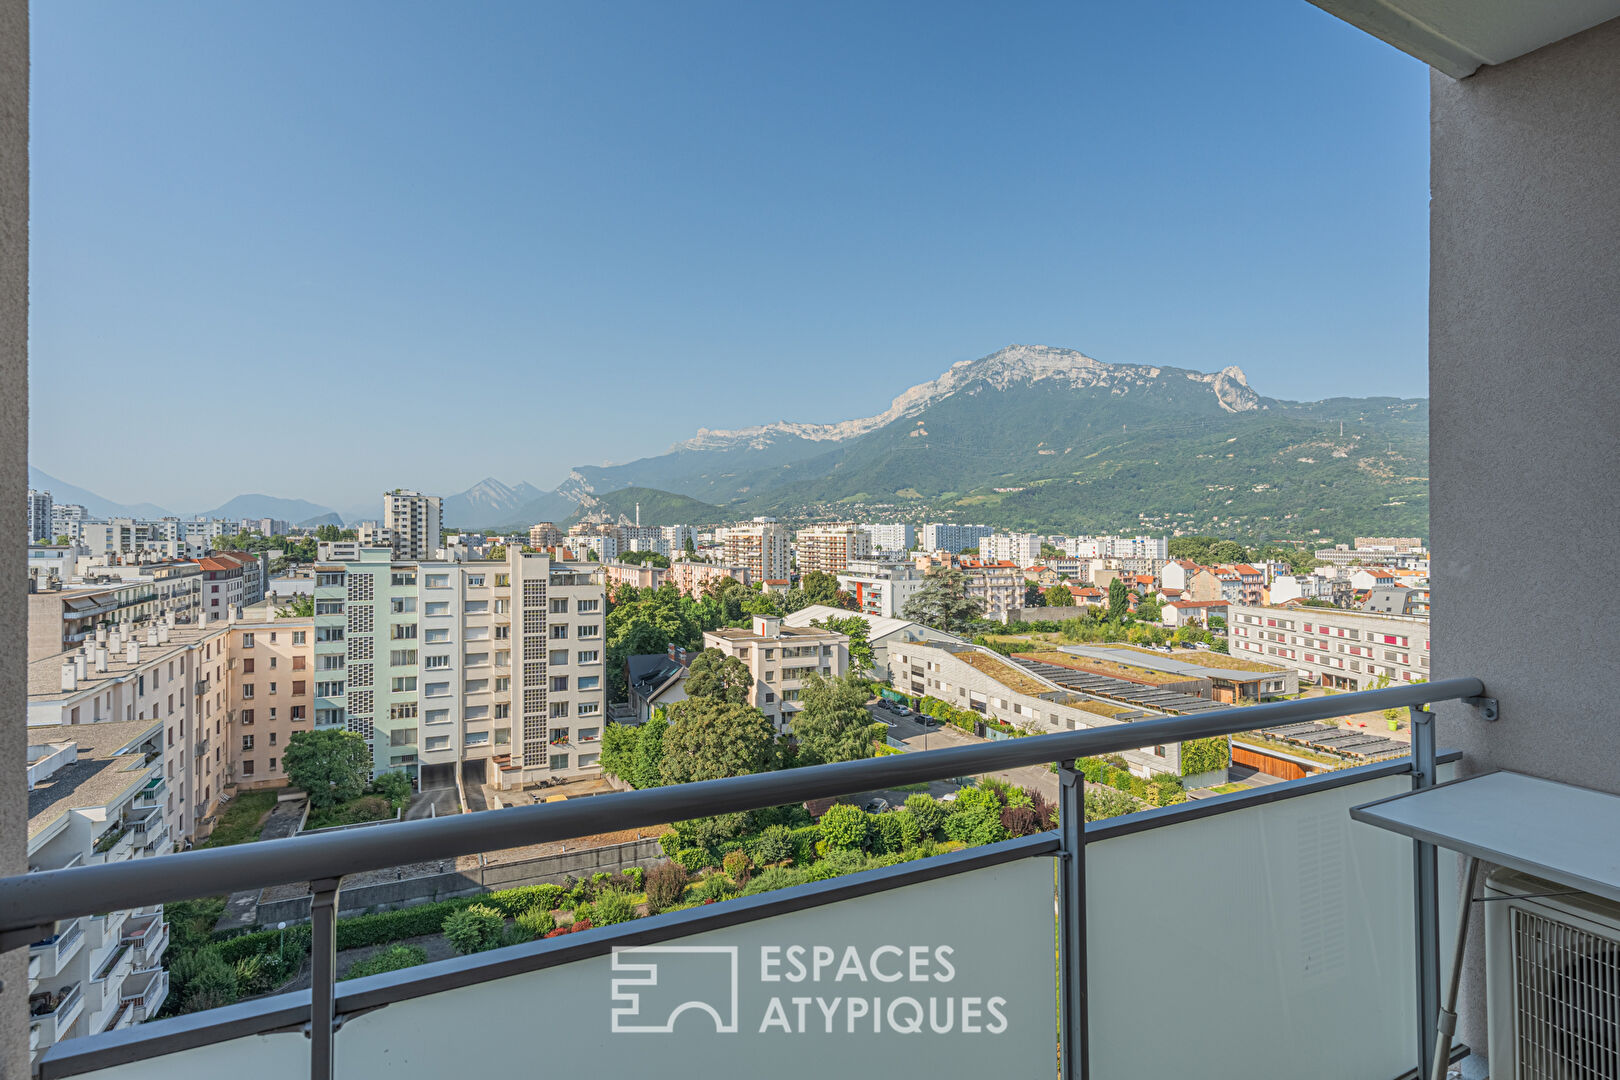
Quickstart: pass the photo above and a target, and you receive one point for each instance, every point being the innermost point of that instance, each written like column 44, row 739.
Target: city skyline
column 568, row 205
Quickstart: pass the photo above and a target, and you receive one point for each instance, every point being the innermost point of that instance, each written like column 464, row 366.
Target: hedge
column 1163, row 790
column 1204, row 755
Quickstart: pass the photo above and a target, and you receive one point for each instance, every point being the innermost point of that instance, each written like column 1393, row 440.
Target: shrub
column 1020, row 821
column 666, row 885
column 774, row 877
column 737, row 866
column 910, row 831
column 888, row 834
column 611, row 906
column 1203, row 755
column 713, row 887
column 638, row 877
column 515, row 902
column 474, row 929
column 930, row 815
column 671, row 842
column 694, row 859
column 843, row 826
column 572, row 928
column 804, row 844
column 393, row 958
column 393, row 786
column 773, row 845
column 208, row 980
column 536, row 922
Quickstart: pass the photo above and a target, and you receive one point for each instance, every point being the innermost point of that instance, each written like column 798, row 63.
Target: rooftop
column 102, row 773
column 1199, row 665
column 45, row 675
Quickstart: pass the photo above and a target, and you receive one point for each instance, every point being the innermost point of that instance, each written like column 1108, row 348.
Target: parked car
column 927, row 721
column 902, row 710
column 877, row 806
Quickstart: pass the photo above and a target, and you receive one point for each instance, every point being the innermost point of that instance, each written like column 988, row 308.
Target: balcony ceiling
column 1459, row 36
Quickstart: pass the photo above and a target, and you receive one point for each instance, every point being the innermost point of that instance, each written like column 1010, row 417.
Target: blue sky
column 417, row 244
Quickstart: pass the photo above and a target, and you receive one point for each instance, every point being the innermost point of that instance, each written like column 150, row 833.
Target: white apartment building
column 95, row 795
column 881, row 588
column 492, row 667
column 998, row 584
column 676, row 536
column 39, row 517
column 1023, row 549
column 953, row 538
column 544, row 535
column 1348, row 650
column 830, row 548
column 1139, row 549
column 416, row 520
column 66, row 519
column 780, row 657
column 762, row 547
column 895, row 536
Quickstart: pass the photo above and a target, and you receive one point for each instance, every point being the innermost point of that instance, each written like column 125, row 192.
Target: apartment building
column 953, row 538
column 416, row 521
column 39, row 517
column 230, row 580
column 893, row 536
column 643, row 538
column 676, row 538
column 881, row 588
column 544, row 535
column 1151, row 549
column 269, row 689
column 66, row 519
column 780, row 657
column 695, row 578
column 642, row 576
column 165, row 672
column 418, row 658
column 1347, row 650
column 1021, row 549
column 830, row 548
column 762, row 547
column 998, row 585
column 95, row 795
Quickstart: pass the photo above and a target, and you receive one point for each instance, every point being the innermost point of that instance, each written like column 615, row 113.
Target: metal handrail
column 33, row 900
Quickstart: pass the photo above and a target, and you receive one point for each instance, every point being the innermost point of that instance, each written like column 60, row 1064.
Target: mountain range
column 1029, row 437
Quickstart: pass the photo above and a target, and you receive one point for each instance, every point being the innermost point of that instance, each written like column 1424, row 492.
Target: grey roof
column 1168, row 664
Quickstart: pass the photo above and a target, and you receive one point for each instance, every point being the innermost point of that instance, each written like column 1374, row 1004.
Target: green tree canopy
column 709, row 738
column 856, row 629
column 644, row 558
column 943, row 601
column 1059, row 596
column 1119, row 602
column 299, row 606
column 329, row 765
column 715, row 675
column 833, row 725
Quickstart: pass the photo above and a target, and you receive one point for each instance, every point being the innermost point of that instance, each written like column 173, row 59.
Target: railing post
column 1426, row 895
column 1073, row 1029
column 323, row 981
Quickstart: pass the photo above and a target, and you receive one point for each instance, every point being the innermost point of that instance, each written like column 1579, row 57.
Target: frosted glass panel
column 1275, row 940
column 283, row 1056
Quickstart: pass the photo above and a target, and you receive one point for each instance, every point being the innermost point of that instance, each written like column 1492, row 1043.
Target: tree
column 855, row 628
column 1059, row 596
column 843, row 828
column 819, row 587
column 1228, row 551
column 1050, row 550
column 709, row 739
column 943, row 601
column 834, row 724
column 330, row 766
column 1033, row 597
column 643, row 558
column 1149, row 608
column 688, row 546
column 301, row 606
column 473, row 929
column 63, row 539
column 1119, row 602
column 715, row 675
column 646, row 769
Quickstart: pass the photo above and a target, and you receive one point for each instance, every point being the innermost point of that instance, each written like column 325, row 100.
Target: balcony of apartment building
column 51, row 1014
column 51, row 956
column 147, row 936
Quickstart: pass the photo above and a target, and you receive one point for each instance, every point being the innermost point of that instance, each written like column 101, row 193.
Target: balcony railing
column 1257, row 918
column 51, row 1013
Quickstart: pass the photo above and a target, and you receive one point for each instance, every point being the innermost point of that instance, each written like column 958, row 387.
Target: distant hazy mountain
column 320, row 519
column 655, row 507
column 268, row 506
column 490, row 504
column 64, row 492
column 1041, row 437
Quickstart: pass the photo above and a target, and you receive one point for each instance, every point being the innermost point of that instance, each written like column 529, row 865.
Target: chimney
column 101, row 658
column 70, row 676
column 151, row 636
column 132, row 652
column 101, row 635
column 163, row 633
column 672, row 650
column 80, row 663
column 168, row 618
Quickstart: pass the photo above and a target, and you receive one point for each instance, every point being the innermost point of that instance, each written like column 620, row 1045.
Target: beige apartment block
column 545, row 534
column 762, row 547
column 268, row 693
column 780, row 658
column 829, row 548
column 696, row 578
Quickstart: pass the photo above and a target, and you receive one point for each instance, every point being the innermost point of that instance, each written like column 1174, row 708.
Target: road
column 910, row 731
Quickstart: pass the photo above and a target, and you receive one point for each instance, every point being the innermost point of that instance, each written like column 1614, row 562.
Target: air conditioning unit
column 1552, row 974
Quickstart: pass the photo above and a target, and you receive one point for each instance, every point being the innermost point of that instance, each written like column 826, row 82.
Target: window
column 437, row 581
column 503, row 684
column 503, row 605
column 559, row 656
column 405, row 710
column 328, row 607
column 477, row 686
column 435, row 663
column 328, row 689
column 245, row 717
column 559, row 632
column 559, row 736
column 272, row 764
column 329, row 577
column 437, row 742
column 559, row 761
column 330, row 662
column 559, row 683
column 403, row 605
column 299, row 662
column 272, row 738
column 769, row 697
column 590, row 708
column 328, row 716
column 589, row 682
column 247, row 665
column 476, row 633
column 403, row 632
column 585, row 607
column 559, row 709
column 404, row 684
column 503, row 736
column 476, row 607
column 475, row 659
column 247, row 742
column 476, row 712
column 559, row 605
column 587, row 656
column 272, row 659
column 299, row 688
column 503, row 710
column 590, row 631
column 404, row 577
column 590, row 734
column 503, row 633
column 247, row 643
column 503, row 581
column 477, row 738
column 436, row 716
column 437, row 607
column 298, row 712
column 434, row 689
column 329, row 633
column 298, row 639
column 402, row 657
column 475, row 581
column 247, row 767
column 404, row 736
column 436, row 636
column 247, row 693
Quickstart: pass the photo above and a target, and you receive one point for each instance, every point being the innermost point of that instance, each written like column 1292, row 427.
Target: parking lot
column 916, row 735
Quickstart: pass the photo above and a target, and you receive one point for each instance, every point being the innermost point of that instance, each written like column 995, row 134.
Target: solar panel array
column 1165, row 701
column 1352, row 741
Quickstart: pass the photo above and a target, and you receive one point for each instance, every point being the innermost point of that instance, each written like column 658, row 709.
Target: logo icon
column 660, row 982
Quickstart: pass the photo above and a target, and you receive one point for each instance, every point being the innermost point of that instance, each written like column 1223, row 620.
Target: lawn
column 1008, row 675
column 1207, row 658
column 242, row 819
